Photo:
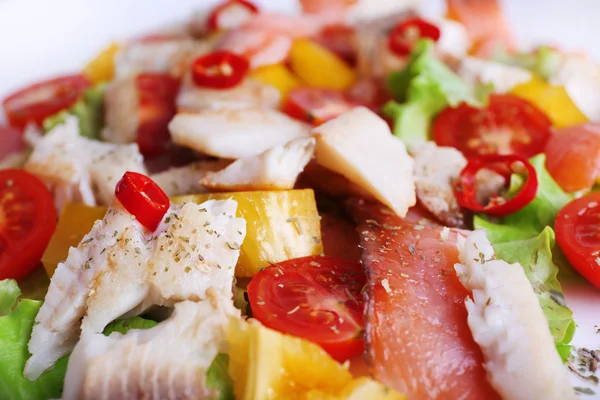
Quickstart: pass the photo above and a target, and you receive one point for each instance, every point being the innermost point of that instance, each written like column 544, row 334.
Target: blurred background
column 40, row 38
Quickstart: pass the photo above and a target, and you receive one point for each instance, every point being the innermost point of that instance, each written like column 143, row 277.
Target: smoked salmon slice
column 417, row 338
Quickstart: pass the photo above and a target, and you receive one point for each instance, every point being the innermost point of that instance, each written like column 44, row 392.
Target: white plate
column 41, row 38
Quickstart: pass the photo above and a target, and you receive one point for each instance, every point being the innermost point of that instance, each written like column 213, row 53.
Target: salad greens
column 16, row 322
column 424, row 88
column 217, row 377
column 527, row 237
column 15, row 329
column 89, row 111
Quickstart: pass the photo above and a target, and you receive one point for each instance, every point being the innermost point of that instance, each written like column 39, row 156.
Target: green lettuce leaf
column 535, row 256
column 217, row 377
column 15, row 330
column 424, row 88
column 9, row 294
column 89, row 110
column 125, row 325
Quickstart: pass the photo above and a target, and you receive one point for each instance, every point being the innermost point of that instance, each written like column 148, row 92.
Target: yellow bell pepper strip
column 553, row 100
column 277, row 75
column 320, row 67
column 279, row 225
column 75, row 221
column 266, row 364
column 102, row 68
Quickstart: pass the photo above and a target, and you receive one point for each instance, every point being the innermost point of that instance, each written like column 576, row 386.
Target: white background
column 41, row 38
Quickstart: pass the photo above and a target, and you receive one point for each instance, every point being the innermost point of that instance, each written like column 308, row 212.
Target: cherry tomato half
column 578, row 235
column 231, row 14
column 36, row 102
column 316, row 105
column 573, row 157
column 504, row 165
column 27, row 222
column 219, row 70
column 157, row 95
column 143, row 198
column 508, row 125
column 11, row 140
column 315, row 298
column 406, row 34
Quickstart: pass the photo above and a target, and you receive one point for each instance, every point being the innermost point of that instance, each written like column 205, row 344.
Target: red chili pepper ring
column 143, row 198
column 505, row 165
column 219, row 70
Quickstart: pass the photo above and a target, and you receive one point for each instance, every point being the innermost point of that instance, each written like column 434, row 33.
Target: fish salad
column 360, row 201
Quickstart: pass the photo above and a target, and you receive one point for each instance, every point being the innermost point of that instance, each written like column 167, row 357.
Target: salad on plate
column 361, row 201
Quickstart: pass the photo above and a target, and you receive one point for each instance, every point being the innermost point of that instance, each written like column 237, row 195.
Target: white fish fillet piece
column 369, row 10
column 159, row 56
column 503, row 77
column 107, row 169
column 508, row 323
column 581, row 78
column 385, row 170
column 436, row 169
column 177, row 181
column 275, row 169
column 235, row 133
column 121, row 104
column 118, row 267
column 249, row 93
column 73, row 165
column 168, row 361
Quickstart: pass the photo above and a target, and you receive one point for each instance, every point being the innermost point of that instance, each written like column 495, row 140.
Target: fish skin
column 417, row 338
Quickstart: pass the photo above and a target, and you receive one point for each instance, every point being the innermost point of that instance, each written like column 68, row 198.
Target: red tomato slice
column 508, row 125
column 406, row 34
column 36, row 102
column 12, row 141
column 219, row 70
column 578, row 235
column 573, row 157
column 143, row 198
column 27, row 222
column 316, row 298
column 157, row 94
column 316, row 105
column 231, row 14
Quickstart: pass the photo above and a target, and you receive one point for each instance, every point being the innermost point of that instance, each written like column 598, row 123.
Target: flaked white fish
column 119, row 269
column 178, row 181
column 275, row 169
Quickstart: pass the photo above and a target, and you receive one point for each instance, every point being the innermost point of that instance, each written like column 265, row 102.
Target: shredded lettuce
column 527, row 237
column 422, row 89
column 89, row 111
column 217, row 377
column 15, row 330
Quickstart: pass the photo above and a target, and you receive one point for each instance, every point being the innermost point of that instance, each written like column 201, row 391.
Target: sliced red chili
column 219, row 70
column 403, row 37
column 505, row 166
column 143, row 198
column 230, row 14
